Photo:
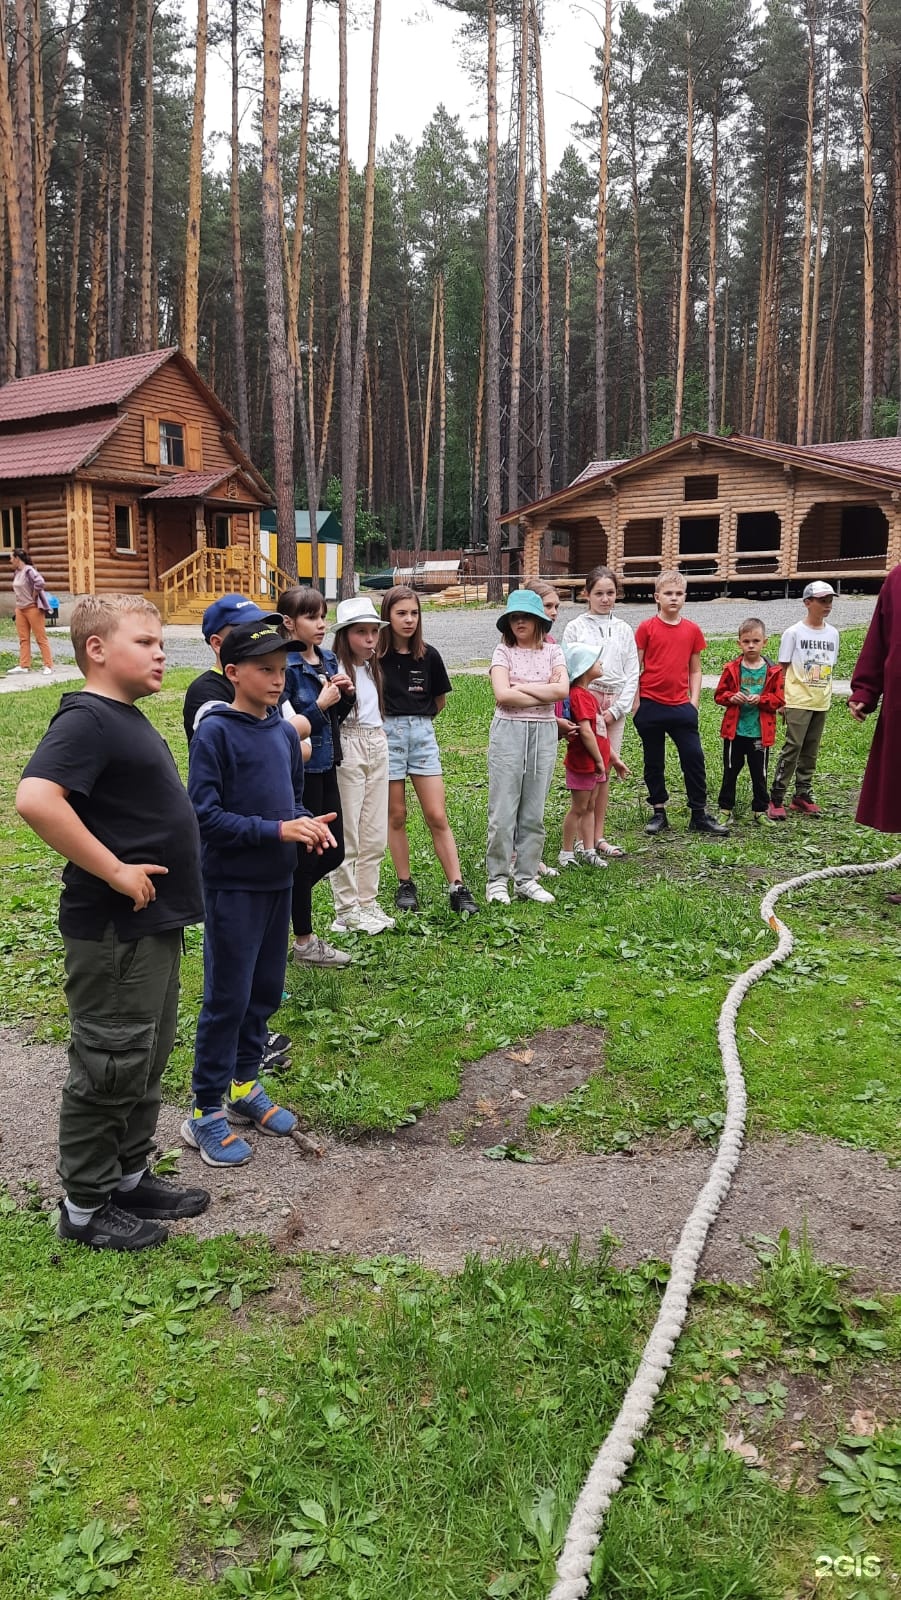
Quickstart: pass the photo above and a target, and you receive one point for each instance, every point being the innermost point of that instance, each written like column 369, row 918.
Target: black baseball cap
column 250, row 639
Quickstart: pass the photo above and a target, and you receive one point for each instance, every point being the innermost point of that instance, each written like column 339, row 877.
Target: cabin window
column 757, row 530
column 172, row 444
column 863, row 534
column 698, row 536
column 702, row 486
column 222, row 531
column 124, row 530
column 11, row 526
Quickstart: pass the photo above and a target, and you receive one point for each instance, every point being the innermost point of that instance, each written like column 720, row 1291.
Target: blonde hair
column 98, row 616
column 674, row 576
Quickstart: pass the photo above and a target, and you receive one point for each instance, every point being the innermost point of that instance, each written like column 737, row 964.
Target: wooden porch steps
column 192, row 585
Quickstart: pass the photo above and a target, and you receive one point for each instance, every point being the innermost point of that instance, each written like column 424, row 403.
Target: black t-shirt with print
column 124, row 786
column 411, row 686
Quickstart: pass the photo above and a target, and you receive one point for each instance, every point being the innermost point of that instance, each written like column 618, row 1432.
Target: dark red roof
column 188, row 486
column 867, row 452
column 78, row 388
column 53, row 452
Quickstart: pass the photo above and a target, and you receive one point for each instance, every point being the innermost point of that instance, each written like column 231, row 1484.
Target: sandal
column 602, row 848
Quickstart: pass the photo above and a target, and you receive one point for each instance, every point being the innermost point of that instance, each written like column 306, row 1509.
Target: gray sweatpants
column 521, row 757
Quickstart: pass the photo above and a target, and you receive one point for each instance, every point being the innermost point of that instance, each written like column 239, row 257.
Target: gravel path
column 421, row 1193
column 467, row 637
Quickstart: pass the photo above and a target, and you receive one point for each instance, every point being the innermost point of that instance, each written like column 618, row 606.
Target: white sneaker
column 566, row 858
column 544, row 871
column 591, row 858
column 373, row 919
column 47, row 672
column 11, row 671
column 497, row 893
column 532, row 890
column 346, row 922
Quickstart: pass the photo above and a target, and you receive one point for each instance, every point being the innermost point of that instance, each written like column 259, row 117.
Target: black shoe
column 160, row 1197
column 658, row 823
column 110, row 1228
column 708, row 824
column 406, row 898
column 461, row 900
column 276, row 1044
column 274, row 1060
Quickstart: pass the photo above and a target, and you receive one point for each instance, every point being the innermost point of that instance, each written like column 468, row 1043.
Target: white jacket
column 619, row 656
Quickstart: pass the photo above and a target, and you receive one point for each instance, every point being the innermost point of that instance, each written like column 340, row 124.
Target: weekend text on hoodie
column 245, row 777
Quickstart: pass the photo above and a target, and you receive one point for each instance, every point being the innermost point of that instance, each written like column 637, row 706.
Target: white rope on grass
column 612, row 1460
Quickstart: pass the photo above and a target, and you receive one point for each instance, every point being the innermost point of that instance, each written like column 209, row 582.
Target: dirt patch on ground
column 817, row 1410
column 415, row 1193
column 498, row 1092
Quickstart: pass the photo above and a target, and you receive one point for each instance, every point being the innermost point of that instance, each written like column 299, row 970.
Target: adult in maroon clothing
column 878, row 675
column 669, row 689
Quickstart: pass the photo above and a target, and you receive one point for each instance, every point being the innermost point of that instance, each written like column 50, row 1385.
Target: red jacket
column 771, row 700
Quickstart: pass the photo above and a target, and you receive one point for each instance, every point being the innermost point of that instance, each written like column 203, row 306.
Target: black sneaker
column 277, row 1044
column 406, row 898
column 274, row 1060
column 658, row 823
column 461, row 900
column 110, row 1228
column 708, row 824
column 159, row 1197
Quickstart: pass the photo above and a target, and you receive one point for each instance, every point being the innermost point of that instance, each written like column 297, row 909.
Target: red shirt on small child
column 583, row 707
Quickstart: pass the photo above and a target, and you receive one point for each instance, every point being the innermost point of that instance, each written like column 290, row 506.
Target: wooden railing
column 208, row 573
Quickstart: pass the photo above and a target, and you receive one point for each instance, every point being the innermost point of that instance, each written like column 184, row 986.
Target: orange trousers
column 29, row 620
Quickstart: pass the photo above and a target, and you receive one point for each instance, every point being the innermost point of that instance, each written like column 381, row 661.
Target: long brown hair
column 302, row 600
column 392, row 598
column 595, row 576
column 343, row 652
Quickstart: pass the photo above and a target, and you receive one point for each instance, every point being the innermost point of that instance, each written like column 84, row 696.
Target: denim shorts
column 412, row 748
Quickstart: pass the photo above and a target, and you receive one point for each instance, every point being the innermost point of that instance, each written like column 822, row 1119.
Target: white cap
column 818, row 590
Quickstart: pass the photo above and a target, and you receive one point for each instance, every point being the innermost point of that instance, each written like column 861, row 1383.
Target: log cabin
column 740, row 512
column 127, row 476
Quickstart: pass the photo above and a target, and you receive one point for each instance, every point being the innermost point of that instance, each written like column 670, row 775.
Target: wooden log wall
column 45, row 531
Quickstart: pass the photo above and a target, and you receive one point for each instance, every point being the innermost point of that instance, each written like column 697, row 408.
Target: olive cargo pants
column 123, row 1008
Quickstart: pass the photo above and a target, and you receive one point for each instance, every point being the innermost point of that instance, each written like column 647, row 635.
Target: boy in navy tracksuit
column 246, row 785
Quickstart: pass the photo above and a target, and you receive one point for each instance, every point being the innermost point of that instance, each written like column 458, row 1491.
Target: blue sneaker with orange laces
column 252, row 1106
column 212, row 1136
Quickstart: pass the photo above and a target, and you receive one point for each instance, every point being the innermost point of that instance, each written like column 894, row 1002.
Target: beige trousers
column 363, row 786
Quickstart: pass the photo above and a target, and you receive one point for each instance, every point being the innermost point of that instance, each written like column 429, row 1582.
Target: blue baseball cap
column 229, row 611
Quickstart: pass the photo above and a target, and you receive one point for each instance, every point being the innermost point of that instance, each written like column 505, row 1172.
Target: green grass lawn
column 220, row 1420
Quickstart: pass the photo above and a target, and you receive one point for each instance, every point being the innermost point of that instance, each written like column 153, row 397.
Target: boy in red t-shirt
column 669, row 689
column 587, row 761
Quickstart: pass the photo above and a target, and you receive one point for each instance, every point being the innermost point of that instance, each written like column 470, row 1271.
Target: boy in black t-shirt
column 103, row 790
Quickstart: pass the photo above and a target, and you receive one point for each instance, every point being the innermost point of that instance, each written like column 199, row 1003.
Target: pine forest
column 453, row 329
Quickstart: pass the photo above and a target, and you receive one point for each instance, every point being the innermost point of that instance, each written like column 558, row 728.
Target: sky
column 419, row 68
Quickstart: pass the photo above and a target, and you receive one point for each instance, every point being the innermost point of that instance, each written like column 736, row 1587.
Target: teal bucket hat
column 525, row 603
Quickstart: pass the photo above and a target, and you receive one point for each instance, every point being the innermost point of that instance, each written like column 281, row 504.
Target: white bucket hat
column 360, row 609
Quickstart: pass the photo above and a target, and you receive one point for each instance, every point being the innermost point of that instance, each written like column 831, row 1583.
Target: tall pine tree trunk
column 281, row 392
column 126, row 46
column 306, row 414
column 711, row 271
column 42, row 137
column 475, row 504
column 869, row 238
column 818, row 257
column 195, row 186
column 519, row 236
column 639, row 290
column 567, row 318
column 352, row 359
column 544, row 478
column 148, row 318
column 804, row 337
column 75, row 256
column 239, row 336
column 442, row 421
column 21, row 168
column 600, row 304
column 426, row 432
column 685, row 267
column 492, row 327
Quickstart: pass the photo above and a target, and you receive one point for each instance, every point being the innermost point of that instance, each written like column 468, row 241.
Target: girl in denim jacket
column 320, row 690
